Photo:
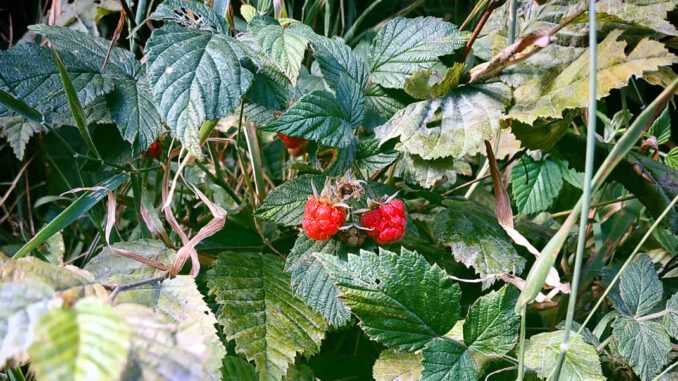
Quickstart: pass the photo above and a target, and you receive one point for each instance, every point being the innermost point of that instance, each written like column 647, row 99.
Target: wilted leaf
column 429, row 173
column 397, row 366
column 269, row 324
column 547, row 96
column 107, row 265
column 401, row 300
column 450, row 126
column 191, row 14
column 418, row 84
column 581, row 362
column 649, row 14
column 404, row 45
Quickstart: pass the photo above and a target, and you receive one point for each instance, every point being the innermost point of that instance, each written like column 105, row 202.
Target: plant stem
column 521, row 348
column 586, row 197
column 139, row 18
column 351, row 31
column 512, row 21
column 598, row 205
column 665, row 371
column 143, row 282
column 220, row 182
column 483, row 19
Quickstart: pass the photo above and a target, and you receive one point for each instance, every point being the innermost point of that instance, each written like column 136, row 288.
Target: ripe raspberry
column 322, row 220
column 387, row 222
column 353, row 237
column 154, row 150
column 296, row 146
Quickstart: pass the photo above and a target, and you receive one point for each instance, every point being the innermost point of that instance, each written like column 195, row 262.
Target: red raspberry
column 296, row 146
column 387, row 223
column 322, row 220
column 153, row 151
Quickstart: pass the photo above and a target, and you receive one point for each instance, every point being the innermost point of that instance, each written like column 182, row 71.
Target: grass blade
column 20, row 107
column 74, row 104
column 79, row 207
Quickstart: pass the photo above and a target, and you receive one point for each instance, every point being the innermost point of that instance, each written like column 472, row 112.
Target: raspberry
column 386, row 223
column 153, row 151
column 296, row 146
column 322, row 220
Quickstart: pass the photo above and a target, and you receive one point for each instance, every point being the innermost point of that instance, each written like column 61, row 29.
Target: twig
column 128, row 13
column 125, row 287
column 601, row 204
column 481, row 24
column 14, row 182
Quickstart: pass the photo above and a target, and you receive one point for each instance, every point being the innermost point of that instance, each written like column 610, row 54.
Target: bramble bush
column 340, row 190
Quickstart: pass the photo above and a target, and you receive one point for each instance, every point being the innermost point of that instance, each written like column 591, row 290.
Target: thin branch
column 129, row 286
column 481, row 24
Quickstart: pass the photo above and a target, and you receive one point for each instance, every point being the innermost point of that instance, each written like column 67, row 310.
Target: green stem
column 512, row 21
column 139, row 18
column 351, row 31
column 521, row 348
column 255, row 158
column 586, row 197
column 220, row 182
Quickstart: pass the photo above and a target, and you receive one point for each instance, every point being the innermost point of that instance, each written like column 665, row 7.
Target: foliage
column 187, row 261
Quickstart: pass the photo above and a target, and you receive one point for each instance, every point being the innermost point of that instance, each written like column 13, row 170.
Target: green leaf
column 260, row 312
column 447, row 360
column 581, row 361
column 429, row 173
column 401, row 300
column 317, row 116
column 401, row 366
column 310, row 280
column 671, row 158
column 542, row 135
column 418, row 84
column 661, row 127
column 476, row 238
column 535, row 184
column 237, row 369
column 450, row 126
column 285, row 204
column 405, row 45
column 639, row 288
column 670, row 320
column 285, row 47
column 547, row 96
column 369, row 157
column 192, row 14
column 18, row 131
column 106, row 265
column 385, row 102
column 195, row 76
column 69, row 215
column 127, row 95
column 89, row 342
column 491, row 326
column 337, row 60
column 645, row 345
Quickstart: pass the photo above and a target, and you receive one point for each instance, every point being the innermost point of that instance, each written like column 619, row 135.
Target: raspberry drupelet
column 387, row 223
column 322, row 220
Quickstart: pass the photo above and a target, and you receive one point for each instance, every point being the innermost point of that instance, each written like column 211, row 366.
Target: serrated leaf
column 649, row 14
column 106, row 265
column 401, row 300
column 670, row 320
column 310, row 280
column 548, row 95
column 269, row 324
column 285, row 47
column 18, row 131
column 237, row 369
column 163, row 349
column 429, row 173
column 317, row 116
column 179, row 301
column 661, row 127
column 397, row 366
column 285, row 204
column 336, row 59
column 128, row 97
column 196, row 76
column 447, row 360
column 89, row 342
column 476, row 238
column 385, row 102
column 404, row 45
column 542, row 135
column 450, row 126
column 491, row 326
column 645, row 345
column 418, row 86
column 671, row 158
column 581, row 361
column 639, row 288
column 191, row 14
column 369, row 156
column 535, row 184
